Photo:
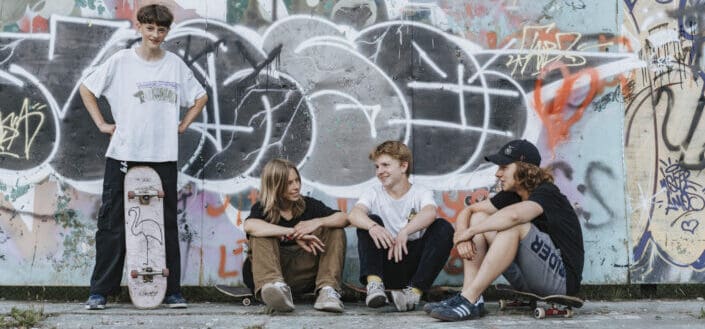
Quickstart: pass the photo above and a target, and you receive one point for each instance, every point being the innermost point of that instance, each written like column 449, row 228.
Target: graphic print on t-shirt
column 156, row 91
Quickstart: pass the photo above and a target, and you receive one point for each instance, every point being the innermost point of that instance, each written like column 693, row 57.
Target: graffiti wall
column 664, row 140
column 611, row 92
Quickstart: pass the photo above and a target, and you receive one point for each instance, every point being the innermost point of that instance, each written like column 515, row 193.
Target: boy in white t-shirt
column 145, row 87
column 401, row 243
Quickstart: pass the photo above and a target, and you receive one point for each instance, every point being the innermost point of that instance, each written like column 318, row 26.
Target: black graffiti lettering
column 684, row 145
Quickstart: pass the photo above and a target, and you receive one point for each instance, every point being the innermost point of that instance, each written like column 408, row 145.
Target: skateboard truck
column 540, row 312
column 145, row 195
column 148, row 273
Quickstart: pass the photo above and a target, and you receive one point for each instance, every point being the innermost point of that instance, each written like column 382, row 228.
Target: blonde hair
column 395, row 149
column 529, row 176
column 274, row 184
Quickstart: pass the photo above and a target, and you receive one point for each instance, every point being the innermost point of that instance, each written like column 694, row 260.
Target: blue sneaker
column 462, row 310
column 448, row 301
column 175, row 301
column 96, row 302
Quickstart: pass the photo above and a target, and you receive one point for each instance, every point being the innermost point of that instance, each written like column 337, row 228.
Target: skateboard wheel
column 246, row 301
column 568, row 313
column 502, row 304
column 131, row 195
column 165, row 272
column 539, row 313
column 160, row 194
column 133, row 274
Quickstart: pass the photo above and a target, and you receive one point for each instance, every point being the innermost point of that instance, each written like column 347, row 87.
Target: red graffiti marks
column 222, row 272
column 215, row 211
column 553, row 114
column 343, row 204
column 459, row 202
column 253, row 196
column 33, row 24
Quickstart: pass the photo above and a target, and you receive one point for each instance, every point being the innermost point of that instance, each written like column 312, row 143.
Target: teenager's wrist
column 369, row 228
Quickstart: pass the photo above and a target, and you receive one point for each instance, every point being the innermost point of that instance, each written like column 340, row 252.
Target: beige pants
column 301, row 270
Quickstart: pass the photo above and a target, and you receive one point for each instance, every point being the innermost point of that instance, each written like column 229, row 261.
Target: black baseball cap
column 516, row 150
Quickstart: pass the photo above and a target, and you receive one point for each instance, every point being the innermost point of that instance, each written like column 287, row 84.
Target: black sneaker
column 175, row 301
column 96, row 302
column 428, row 307
column 462, row 310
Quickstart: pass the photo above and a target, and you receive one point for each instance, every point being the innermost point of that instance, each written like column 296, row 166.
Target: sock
column 480, row 300
column 373, row 278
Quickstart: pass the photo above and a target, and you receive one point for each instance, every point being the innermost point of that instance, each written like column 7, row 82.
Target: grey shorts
column 538, row 266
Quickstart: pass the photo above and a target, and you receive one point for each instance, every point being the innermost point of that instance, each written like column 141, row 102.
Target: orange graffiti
column 241, row 248
column 343, row 204
column 36, row 24
column 221, row 267
column 458, row 204
column 553, row 113
column 239, row 218
column 491, row 40
column 217, row 211
column 253, row 196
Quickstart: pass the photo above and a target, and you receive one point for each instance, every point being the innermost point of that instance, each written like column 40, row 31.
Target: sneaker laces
column 330, row 292
column 374, row 285
column 408, row 290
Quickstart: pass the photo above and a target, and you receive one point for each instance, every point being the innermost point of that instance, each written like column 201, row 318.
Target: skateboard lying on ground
column 245, row 295
column 145, row 255
column 517, row 298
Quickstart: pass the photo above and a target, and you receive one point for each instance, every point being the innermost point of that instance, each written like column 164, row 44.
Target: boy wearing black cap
column 528, row 232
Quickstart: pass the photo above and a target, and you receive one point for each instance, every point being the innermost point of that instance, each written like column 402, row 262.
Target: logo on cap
column 508, row 151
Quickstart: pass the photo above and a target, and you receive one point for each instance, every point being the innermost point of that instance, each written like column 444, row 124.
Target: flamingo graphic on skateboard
column 145, row 256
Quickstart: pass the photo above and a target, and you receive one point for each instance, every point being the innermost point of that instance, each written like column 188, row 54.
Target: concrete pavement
column 595, row 314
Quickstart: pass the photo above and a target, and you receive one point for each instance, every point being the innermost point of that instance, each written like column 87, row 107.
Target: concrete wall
column 608, row 90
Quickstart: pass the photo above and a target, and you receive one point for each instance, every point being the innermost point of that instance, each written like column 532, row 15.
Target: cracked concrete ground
column 595, row 314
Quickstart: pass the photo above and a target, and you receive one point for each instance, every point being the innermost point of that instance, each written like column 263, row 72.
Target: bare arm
column 421, row 220
column 336, row 220
column 260, row 228
column 463, row 220
column 91, row 104
column 508, row 217
column 193, row 112
column 358, row 218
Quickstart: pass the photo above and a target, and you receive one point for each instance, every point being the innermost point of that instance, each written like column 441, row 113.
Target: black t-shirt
column 313, row 209
column 560, row 222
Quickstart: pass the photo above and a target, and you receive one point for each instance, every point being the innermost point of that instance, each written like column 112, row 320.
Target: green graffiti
column 17, row 192
column 236, row 9
column 86, row 4
column 13, row 28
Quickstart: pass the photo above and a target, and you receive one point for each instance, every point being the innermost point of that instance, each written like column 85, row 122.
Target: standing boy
column 145, row 87
column 528, row 232
column 401, row 243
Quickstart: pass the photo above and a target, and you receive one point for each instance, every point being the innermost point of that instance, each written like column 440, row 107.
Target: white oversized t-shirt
column 395, row 214
column 145, row 98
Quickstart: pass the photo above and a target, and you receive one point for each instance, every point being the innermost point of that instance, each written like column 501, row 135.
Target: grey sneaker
column 277, row 295
column 375, row 295
column 328, row 300
column 406, row 299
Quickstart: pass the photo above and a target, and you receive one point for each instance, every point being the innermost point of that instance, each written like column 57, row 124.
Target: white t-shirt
column 145, row 98
column 395, row 214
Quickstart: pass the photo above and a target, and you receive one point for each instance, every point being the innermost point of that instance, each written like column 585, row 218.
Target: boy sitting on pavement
column 528, row 232
column 401, row 243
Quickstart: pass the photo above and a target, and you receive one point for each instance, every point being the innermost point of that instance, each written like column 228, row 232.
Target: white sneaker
column 328, row 300
column 405, row 299
column 277, row 295
column 376, row 297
